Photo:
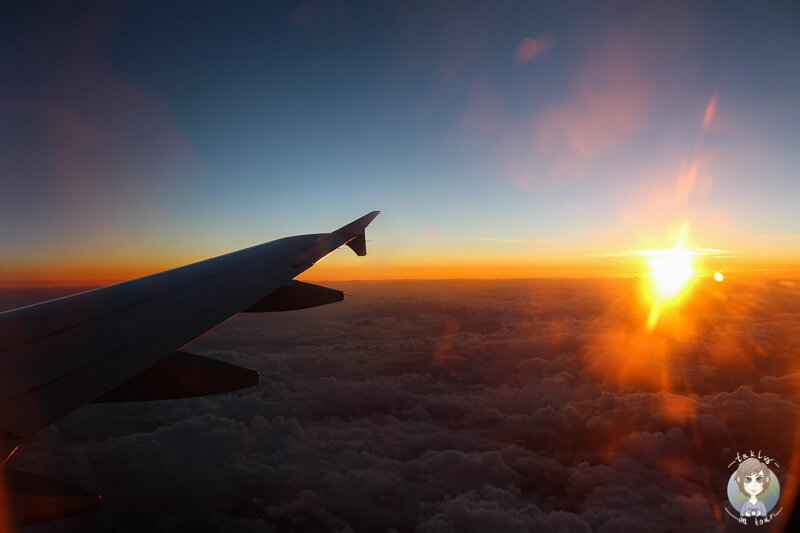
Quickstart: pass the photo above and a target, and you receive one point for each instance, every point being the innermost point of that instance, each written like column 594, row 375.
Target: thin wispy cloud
column 540, row 241
column 500, row 240
column 531, row 47
column 709, row 251
column 610, row 254
column 656, row 253
column 711, row 108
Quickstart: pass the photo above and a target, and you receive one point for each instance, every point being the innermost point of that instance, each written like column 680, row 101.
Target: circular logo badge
column 753, row 489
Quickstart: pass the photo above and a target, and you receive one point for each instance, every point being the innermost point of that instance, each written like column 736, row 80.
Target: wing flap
column 182, row 375
column 296, row 295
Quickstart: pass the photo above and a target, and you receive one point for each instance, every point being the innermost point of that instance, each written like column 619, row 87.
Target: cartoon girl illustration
column 753, row 478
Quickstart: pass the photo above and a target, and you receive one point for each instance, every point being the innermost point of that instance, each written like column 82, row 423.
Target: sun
column 670, row 270
column 671, row 273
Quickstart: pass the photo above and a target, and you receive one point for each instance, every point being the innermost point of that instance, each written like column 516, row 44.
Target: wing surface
column 58, row 355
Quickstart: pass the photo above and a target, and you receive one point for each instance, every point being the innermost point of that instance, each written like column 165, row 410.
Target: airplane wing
column 122, row 342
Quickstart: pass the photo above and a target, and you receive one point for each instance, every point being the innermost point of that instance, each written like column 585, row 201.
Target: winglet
column 354, row 233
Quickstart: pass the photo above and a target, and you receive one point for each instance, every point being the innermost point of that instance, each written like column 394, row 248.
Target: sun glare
column 670, row 275
column 671, row 269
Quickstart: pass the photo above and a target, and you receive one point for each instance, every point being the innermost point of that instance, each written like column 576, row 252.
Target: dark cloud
column 453, row 406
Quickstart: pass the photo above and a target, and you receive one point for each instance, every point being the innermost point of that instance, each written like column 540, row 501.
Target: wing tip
column 357, row 226
column 354, row 233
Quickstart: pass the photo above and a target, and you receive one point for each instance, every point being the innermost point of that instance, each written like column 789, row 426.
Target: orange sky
column 343, row 265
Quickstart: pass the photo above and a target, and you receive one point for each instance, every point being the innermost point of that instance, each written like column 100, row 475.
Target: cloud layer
column 453, row 406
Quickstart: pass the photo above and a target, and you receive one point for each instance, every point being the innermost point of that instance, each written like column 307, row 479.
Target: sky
column 511, row 139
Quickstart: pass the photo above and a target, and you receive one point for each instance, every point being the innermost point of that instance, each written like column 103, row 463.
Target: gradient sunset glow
column 547, row 144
